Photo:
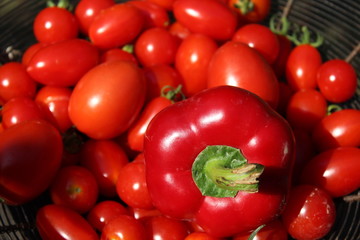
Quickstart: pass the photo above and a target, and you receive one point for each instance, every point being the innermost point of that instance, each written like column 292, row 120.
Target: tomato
column 239, row 65
column 179, row 30
column 285, row 47
column 30, row 155
column 86, row 11
column 106, row 110
column 192, row 61
column 258, row 12
column 131, row 186
column 339, row 129
column 161, row 227
column 260, row 38
column 208, row 17
column 55, row 24
column 167, row 4
column 310, row 213
column 285, row 93
column 335, row 170
column 104, row 158
column 273, row 230
column 103, row 212
column 30, row 52
column 59, row 222
column 154, row 14
column 302, row 66
column 156, row 46
column 116, row 54
column 116, row 26
column 123, row 227
column 306, row 108
column 143, row 214
column 200, row 236
column 56, row 101
column 337, row 80
column 62, row 64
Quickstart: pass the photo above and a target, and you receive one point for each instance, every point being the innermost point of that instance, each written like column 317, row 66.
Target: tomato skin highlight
column 104, row 111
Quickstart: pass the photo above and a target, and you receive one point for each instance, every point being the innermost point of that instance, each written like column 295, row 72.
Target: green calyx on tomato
column 245, row 6
column 222, row 171
column 173, row 94
column 60, row 4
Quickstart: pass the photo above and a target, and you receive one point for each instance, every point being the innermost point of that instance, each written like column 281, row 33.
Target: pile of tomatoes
column 76, row 107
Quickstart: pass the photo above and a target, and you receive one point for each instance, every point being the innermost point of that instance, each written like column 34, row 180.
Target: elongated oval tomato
column 209, row 17
column 236, row 64
column 107, row 99
column 62, row 64
column 30, row 155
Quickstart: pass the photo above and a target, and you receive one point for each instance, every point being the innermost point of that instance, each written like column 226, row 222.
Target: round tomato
column 237, row 64
column 105, row 109
column 161, row 227
column 253, row 11
column 123, row 227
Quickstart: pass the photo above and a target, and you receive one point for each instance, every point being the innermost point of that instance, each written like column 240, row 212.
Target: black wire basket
column 337, row 20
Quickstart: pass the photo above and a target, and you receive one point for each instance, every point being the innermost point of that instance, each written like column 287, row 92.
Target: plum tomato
column 254, row 13
column 179, row 30
column 30, row 52
column 123, row 227
column 167, row 4
column 117, row 54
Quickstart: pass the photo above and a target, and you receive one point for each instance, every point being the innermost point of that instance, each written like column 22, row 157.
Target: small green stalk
column 173, row 94
column 244, row 6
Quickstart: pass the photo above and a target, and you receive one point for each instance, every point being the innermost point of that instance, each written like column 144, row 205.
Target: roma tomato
column 274, row 230
column 167, row 4
column 192, row 61
column 15, row 82
column 335, row 170
column 161, row 227
column 116, row 26
column 123, row 227
column 104, row 111
column 339, row 129
column 260, row 38
column 208, row 17
column 116, row 54
column 55, row 24
column 58, row 222
column 301, row 67
column 254, row 12
column 237, row 64
column 30, row 52
column 310, row 213
column 62, row 64
column 337, row 80
column 30, row 155
column 104, row 158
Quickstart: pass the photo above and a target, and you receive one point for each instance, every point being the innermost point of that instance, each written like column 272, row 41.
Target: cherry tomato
column 192, row 61
column 104, row 111
column 104, row 158
column 335, row 170
column 116, row 54
column 123, row 227
column 86, row 11
column 200, row 236
column 237, row 64
column 337, row 80
column 59, row 222
column 30, row 155
column 273, row 230
column 56, row 101
column 156, row 46
column 302, row 66
column 103, row 212
column 310, row 213
column 131, row 186
column 339, row 129
column 62, row 64
column 167, row 4
column 208, row 17
column 15, row 82
column 179, row 30
column 55, row 24
column 116, row 26
column 260, row 38
column 306, row 108
column 259, row 10
column 161, row 227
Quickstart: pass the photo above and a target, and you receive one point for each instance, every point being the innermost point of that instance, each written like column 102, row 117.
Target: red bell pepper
column 222, row 158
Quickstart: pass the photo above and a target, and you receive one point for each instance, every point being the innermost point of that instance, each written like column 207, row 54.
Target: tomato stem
column 303, row 36
column 333, row 108
column 253, row 234
column 128, row 48
column 352, row 198
column 353, row 53
column 245, row 6
column 172, row 93
column 60, row 4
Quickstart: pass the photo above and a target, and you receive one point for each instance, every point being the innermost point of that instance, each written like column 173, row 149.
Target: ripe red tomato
column 62, row 64
column 285, row 93
column 156, row 46
column 167, row 4
column 274, row 230
column 30, row 155
column 179, row 30
column 104, row 111
column 116, row 26
column 279, row 65
column 55, row 24
column 143, row 214
column 30, row 52
column 337, row 80
column 237, row 64
column 161, row 227
column 104, row 158
column 15, row 82
column 310, row 213
column 302, row 66
column 339, row 129
column 86, row 11
column 335, row 170
column 192, row 61
column 208, row 17
column 201, row 236
column 131, row 186
column 123, row 227
column 59, row 222
column 260, row 38
column 258, row 12
column 116, row 54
